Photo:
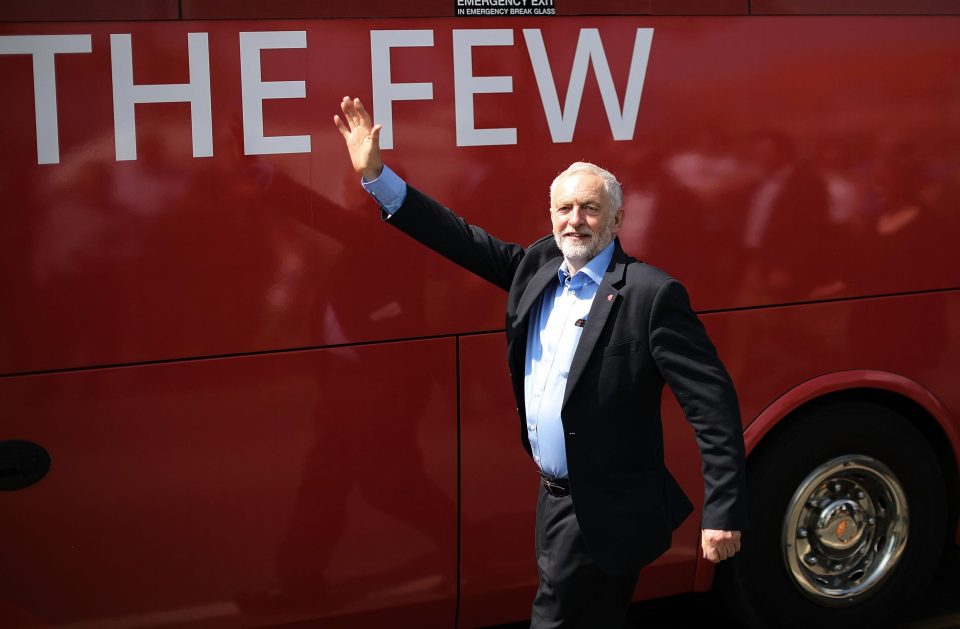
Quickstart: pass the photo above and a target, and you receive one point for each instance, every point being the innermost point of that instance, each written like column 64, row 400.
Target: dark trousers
column 573, row 592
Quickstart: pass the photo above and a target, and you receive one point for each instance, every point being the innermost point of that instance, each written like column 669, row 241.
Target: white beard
column 583, row 251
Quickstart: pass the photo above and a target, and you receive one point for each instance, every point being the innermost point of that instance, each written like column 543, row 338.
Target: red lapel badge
column 609, row 297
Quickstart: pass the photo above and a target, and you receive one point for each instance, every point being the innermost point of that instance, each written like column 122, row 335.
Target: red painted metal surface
column 238, row 492
column 860, row 378
column 170, row 256
column 66, row 10
column 225, row 9
column 774, row 161
column 699, row 7
column 498, row 491
column 854, row 7
column 252, row 9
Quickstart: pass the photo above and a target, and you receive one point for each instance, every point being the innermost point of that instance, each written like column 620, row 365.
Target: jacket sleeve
column 689, row 364
column 436, row 227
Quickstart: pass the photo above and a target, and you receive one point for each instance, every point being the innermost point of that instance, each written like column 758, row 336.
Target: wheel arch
column 910, row 399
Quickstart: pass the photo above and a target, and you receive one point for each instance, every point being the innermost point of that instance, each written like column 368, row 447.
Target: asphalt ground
column 939, row 608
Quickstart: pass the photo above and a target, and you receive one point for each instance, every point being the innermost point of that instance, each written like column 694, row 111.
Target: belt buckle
column 554, row 488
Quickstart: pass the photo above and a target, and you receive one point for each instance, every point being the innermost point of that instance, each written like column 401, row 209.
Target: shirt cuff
column 389, row 190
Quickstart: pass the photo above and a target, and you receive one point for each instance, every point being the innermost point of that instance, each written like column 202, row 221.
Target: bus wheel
column 847, row 520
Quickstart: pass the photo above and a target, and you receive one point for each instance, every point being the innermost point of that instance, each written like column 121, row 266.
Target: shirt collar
column 594, row 269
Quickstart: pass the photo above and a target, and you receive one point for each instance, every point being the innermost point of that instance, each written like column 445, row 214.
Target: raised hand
column 362, row 138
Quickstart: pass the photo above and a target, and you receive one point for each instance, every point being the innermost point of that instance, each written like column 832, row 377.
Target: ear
column 617, row 222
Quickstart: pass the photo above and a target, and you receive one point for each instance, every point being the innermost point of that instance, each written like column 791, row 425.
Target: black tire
column 836, row 440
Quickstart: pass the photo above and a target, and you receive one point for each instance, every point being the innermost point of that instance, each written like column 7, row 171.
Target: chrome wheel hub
column 845, row 529
column 841, row 524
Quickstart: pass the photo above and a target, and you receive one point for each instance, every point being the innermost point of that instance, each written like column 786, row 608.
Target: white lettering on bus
column 590, row 48
column 253, row 91
column 43, row 48
column 384, row 90
column 466, row 85
column 126, row 95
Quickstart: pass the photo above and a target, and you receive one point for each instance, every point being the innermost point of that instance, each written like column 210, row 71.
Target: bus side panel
column 498, row 493
column 64, row 10
column 245, row 491
column 772, row 160
column 770, row 351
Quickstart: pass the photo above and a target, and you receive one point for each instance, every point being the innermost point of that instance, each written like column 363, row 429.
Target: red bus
column 230, row 397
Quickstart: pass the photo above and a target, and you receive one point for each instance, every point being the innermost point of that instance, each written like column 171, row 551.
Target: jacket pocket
column 624, row 348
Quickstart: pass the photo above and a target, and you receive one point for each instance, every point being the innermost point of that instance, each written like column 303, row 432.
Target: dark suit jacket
column 640, row 332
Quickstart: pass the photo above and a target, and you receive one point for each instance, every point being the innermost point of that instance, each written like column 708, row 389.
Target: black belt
column 558, row 487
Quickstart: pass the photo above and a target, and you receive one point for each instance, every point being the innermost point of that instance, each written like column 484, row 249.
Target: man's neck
column 574, row 265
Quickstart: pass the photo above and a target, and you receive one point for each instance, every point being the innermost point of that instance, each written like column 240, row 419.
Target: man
column 592, row 335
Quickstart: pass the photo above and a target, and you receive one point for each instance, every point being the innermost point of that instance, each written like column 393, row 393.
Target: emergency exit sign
column 504, row 7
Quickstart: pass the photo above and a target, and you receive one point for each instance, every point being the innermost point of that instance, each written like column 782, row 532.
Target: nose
column 576, row 216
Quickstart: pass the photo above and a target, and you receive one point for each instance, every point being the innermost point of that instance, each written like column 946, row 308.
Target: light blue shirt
column 388, row 190
column 556, row 323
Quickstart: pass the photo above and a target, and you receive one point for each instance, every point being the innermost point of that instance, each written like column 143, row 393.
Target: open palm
column 362, row 138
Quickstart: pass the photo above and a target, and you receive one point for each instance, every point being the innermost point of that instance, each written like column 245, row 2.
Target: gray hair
column 610, row 183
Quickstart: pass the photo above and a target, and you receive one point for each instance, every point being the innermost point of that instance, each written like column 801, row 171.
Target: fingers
column 715, row 554
column 362, row 112
column 349, row 112
column 344, row 131
column 719, row 545
column 355, row 113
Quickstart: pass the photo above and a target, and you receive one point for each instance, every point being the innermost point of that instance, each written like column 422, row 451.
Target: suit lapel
column 606, row 296
column 531, row 293
column 536, row 286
